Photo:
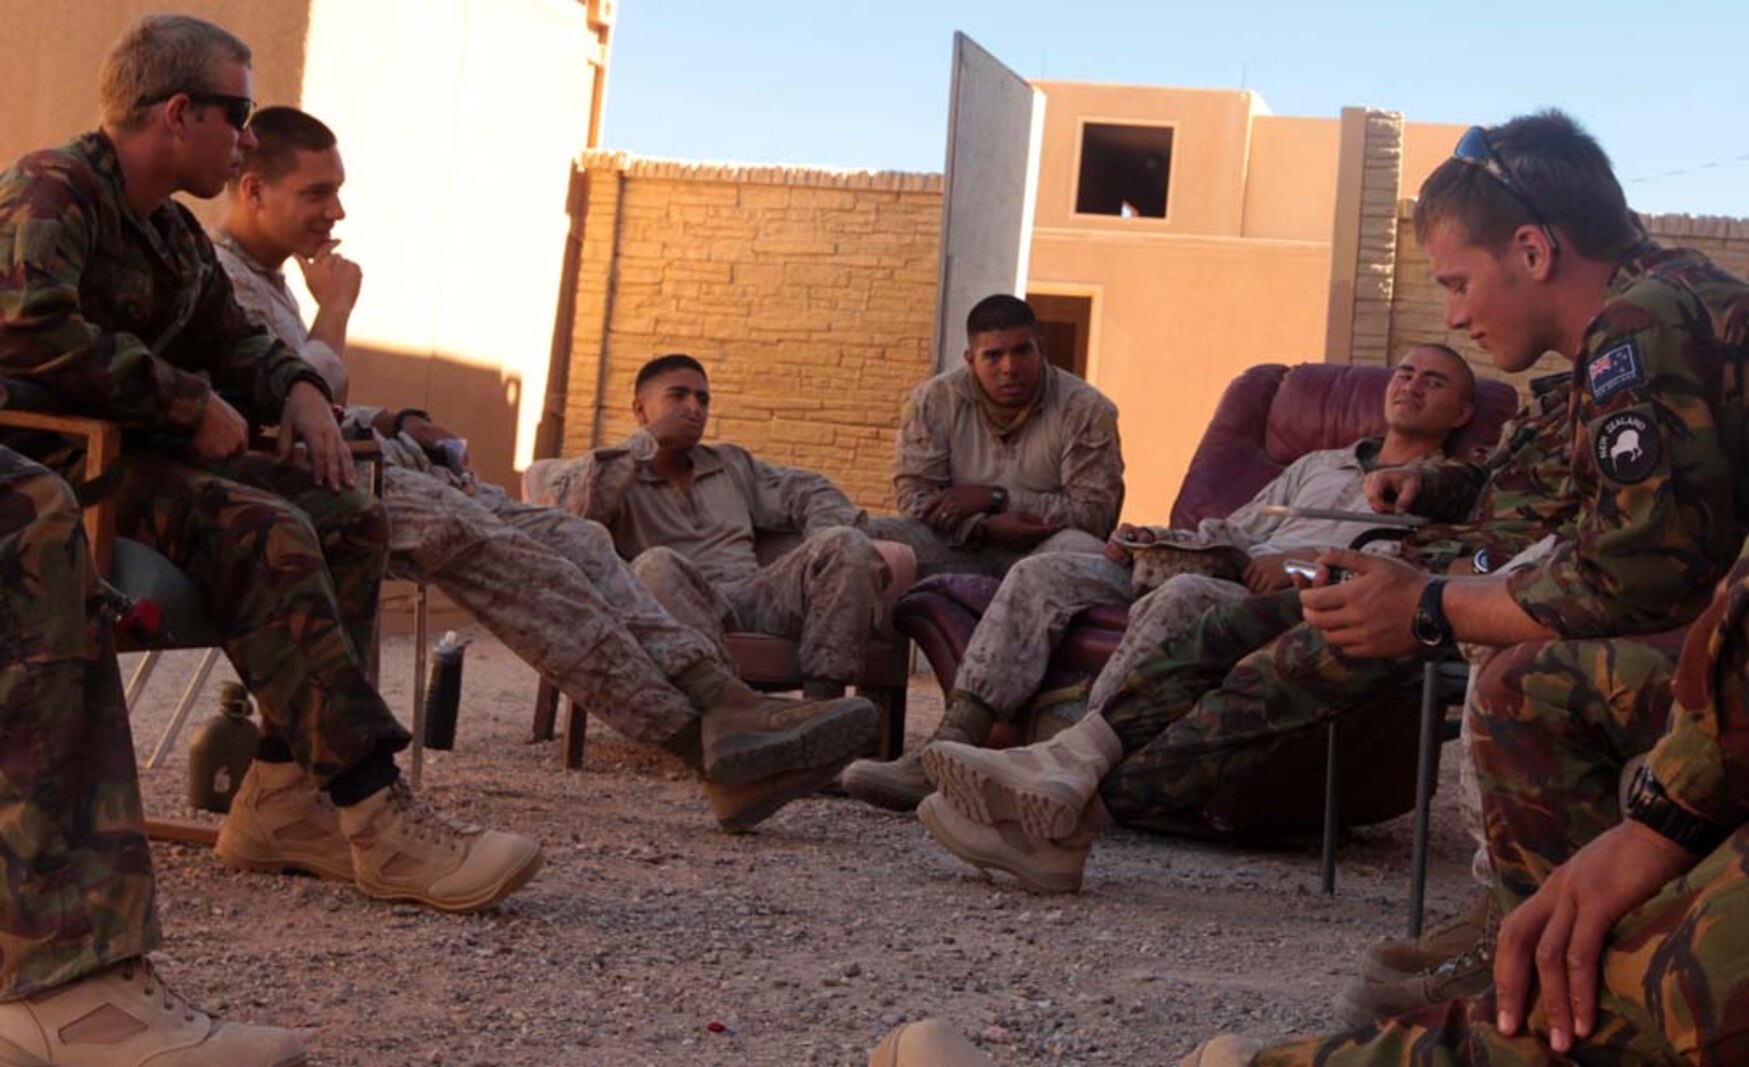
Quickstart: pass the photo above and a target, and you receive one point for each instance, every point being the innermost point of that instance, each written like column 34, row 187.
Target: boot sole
column 869, row 787
column 983, row 786
column 245, row 859
column 834, row 736
column 1030, row 880
column 483, row 900
column 804, row 785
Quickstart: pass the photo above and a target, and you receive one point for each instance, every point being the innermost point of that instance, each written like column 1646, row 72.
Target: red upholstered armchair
column 1269, row 416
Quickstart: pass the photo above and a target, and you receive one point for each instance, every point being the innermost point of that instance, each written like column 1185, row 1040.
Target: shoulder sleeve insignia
column 1627, row 447
column 1615, row 369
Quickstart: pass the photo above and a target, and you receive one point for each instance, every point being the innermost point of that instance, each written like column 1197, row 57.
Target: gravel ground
column 650, row 938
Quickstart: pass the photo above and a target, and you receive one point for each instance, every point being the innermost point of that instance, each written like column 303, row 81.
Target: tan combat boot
column 747, row 736
column 124, row 1016
column 739, row 808
column 901, row 785
column 1043, row 865
column 1394, row 958
column 1471, row 972
column 930, row 1043
column 1226, row 1050
column 1043, row 787
column 403, row 849
column 279, row 820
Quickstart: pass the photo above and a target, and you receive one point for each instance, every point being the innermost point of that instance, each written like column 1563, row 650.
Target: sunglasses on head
column 237, row 108
column 1473, row 148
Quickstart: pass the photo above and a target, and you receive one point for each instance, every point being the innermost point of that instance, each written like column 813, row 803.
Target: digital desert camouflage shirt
column 734, row 495
column 1509, row 499
column 1064, row 464
column 126, row 318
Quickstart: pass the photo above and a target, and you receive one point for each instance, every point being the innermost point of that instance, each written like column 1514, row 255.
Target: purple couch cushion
column 1271, row 415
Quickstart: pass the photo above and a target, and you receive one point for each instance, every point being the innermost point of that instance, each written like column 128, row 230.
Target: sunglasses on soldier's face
column 237, row 108
column 1473, row 148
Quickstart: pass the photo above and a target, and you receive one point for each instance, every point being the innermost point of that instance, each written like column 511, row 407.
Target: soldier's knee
column 1500, row 684
column 658, row 564
column 50, row 497
column 364, row 517
column 597, row 540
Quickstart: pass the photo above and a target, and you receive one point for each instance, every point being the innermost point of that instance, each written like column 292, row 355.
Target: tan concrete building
column 459, row 123
column 1182, row 235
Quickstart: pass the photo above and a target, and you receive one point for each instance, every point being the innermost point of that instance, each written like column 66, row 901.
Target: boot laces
column 152, row 986
column 424, row 822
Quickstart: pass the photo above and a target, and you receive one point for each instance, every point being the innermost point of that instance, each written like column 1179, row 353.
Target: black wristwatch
column 998, row 499
column 1430, row 626
column 1652, row 808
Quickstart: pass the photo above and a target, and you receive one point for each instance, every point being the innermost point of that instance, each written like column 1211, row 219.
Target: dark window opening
column 1125, row 170
column 1065, row 324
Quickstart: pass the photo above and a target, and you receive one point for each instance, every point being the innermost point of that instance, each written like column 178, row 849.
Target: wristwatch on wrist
column 1429, row 624
column 998, row 499
column 1482, row 563
column 1652, row 808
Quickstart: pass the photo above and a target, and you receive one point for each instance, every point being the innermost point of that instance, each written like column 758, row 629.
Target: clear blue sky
column 864, row 84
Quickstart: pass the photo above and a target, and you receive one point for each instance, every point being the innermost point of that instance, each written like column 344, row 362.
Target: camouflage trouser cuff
column 52, row 966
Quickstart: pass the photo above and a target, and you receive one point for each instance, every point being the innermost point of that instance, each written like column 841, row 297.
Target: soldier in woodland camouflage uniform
column 77, row 916
column 115, row 304
column 686, row 514
column 544, row 581
column 1632, row 929
column 1005, row 457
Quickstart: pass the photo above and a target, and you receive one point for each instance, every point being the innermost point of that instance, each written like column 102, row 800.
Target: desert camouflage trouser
column 936, row 555
column 550, row 586
column 290, row 572
column 78, row 875
column 1005, row 660
column 1204, row 712
column 824, row 592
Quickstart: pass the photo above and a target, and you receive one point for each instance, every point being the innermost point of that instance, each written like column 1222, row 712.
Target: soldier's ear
column 638, row 411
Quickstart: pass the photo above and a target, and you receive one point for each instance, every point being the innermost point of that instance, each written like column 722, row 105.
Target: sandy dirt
column 651, row 938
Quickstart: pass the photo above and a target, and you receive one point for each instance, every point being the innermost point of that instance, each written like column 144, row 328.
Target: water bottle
column 443, row 696
column 221, row 752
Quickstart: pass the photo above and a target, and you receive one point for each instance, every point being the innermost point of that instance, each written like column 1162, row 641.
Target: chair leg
column 1332, row 809
column 421, row 634
column 890, row 703
column 1426, row 771
column 142, row 674
column 190, row 694
column 546, row 712
column 576, row 735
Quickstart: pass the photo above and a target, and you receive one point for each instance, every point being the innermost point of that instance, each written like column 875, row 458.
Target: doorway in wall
column 1066, row 321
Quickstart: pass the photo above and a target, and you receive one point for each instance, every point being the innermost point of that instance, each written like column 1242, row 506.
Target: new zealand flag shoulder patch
column 1615, row 369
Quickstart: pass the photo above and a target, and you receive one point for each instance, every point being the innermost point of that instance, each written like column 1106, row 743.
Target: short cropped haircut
column 663, row 364
column 999, row 312
column 1466, row 374
column 158, row 56
column 1562, row 170
column 280, row 134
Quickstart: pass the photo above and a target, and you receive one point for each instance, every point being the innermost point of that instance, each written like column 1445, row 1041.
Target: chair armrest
column 102, row 449
column 901, row 563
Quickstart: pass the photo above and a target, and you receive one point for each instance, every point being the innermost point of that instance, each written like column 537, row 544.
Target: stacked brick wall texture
column 808, row 295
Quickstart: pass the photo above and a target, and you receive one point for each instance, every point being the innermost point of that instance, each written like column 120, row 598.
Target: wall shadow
column 475, row 402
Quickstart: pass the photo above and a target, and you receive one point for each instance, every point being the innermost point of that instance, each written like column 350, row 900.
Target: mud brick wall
column 808, row 295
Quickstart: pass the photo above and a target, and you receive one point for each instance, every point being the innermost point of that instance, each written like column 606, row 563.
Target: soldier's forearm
column 1482, row 611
